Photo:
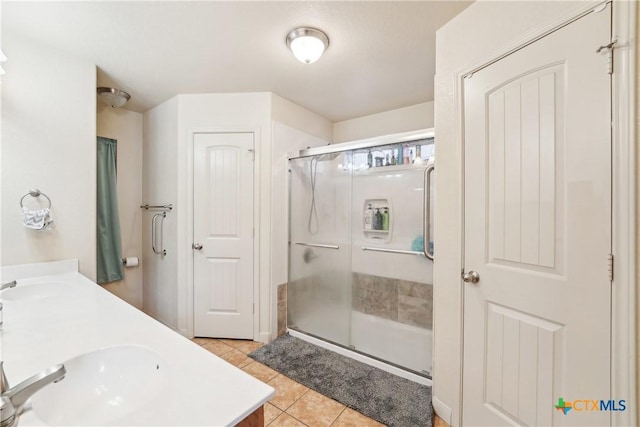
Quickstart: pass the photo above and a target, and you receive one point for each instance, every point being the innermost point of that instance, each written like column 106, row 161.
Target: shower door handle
column 426, row 213
column 197, row 246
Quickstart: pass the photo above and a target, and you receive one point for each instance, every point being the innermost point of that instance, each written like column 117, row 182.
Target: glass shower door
column 319, row 287
column 392, row 278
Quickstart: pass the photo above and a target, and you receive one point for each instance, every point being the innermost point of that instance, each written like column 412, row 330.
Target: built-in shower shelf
column 377, row 235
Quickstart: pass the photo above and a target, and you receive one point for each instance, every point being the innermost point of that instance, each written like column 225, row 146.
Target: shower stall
column 360, row 249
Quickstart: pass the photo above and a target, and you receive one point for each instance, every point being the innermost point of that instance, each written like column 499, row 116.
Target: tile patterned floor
column 293, row 405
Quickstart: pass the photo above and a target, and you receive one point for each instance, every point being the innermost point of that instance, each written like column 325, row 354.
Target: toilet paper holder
column 124, row 261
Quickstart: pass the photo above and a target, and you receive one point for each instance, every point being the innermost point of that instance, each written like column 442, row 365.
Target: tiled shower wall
column 402, row 301
column 282, row 309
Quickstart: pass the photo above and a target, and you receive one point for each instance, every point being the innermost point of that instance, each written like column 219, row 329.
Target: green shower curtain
column 110, row 266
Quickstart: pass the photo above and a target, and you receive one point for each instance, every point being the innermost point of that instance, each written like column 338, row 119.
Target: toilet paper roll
column 131, row 261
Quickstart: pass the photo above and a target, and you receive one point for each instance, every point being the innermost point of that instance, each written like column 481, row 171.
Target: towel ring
column 35, row 193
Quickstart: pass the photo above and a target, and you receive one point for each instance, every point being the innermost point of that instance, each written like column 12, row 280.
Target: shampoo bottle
column 377, row 220
column 368, row 218
column 385, row 219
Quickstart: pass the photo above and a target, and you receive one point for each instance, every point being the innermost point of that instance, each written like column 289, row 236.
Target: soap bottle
column 385, row 218
column 386, row 160
column 418, row 153
column 405, row 158
column 399, row 156
column 393, row 160
column 411, row 158
column 368, row 218
column 377, row 220
column 370, row 159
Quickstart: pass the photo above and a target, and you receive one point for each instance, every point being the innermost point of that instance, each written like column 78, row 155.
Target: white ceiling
column 381, row 54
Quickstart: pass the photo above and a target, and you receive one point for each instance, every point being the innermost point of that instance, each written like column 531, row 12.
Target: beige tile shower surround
column 402, row 301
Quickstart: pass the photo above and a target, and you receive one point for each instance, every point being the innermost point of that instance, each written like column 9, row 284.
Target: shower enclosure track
column 366, row 143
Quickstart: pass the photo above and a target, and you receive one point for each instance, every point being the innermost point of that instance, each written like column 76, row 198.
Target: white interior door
column 223, row 226
column 538, row 232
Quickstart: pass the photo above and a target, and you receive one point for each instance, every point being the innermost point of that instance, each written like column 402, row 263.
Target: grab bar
column 315, row 245
column 426, row 213
column 392, row 251
column 162, row 251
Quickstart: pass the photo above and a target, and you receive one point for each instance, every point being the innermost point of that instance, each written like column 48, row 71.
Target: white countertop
column 41, row 332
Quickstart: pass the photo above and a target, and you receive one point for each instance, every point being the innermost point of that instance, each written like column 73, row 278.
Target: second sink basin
column 102, row 387
column 35, row 292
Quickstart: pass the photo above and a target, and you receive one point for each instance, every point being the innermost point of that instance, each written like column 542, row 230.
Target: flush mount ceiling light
column 307, row 44
column 116, row 98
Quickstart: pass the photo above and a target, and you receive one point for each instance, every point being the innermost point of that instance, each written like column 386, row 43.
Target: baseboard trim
column 264, row 337
column 441, row 410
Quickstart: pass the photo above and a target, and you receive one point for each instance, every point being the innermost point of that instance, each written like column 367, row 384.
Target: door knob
column 471, row 277
column 197, row 246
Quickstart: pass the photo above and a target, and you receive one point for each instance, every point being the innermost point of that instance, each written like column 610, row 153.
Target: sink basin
column 36, row 291
column 102, row 387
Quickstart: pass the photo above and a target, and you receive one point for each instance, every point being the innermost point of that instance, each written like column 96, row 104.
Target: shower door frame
column 346, row 147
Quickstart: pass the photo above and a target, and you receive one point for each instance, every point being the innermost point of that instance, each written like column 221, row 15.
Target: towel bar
column 35, row 193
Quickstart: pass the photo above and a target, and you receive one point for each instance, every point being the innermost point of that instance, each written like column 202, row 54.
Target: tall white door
column 223, row 235
column 538, row 232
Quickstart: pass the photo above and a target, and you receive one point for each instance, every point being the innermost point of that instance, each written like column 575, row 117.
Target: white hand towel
column 37, row 220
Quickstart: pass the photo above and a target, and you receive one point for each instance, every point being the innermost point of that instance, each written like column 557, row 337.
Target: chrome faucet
column 7, row 285
column 12, row 400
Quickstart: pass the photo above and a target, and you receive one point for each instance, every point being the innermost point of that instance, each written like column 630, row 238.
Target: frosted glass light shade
column 307, row 44
column 116, row 98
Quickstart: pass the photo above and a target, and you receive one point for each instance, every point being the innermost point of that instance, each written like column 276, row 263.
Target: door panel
column 523, row 195
column 538, row 231
column 223, row 224
column 320, row 277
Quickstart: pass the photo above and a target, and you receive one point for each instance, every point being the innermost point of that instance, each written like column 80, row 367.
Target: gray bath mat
column 385, row 397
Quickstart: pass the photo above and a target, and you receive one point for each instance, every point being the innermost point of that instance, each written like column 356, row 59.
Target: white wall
column 477, row 34
column 160, row 186
column 293, row 115
column 126, row 127
column 49, row 143
column 414, row 117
